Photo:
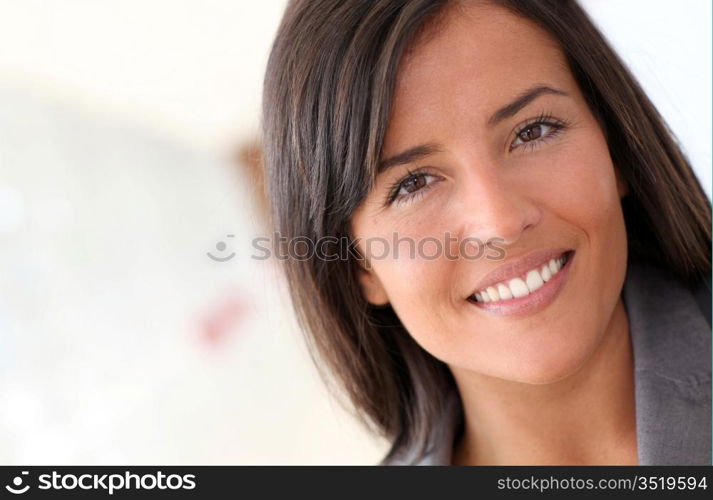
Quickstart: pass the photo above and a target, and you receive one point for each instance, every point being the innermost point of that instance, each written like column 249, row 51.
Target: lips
column 519, row 268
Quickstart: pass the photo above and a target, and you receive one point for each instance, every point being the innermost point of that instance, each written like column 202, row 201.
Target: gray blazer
column 671, row 337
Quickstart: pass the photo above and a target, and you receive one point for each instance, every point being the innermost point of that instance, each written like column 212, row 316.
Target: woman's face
column 535, row 179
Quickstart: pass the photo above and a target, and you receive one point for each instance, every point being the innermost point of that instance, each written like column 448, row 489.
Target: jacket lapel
column 671, row 339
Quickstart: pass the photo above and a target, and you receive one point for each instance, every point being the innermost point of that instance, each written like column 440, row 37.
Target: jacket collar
column 672, row 357
column 671, row 340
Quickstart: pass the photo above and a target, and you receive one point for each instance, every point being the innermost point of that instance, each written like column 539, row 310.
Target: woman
column 580, row 336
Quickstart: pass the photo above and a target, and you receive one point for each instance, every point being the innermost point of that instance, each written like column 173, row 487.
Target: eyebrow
column 409, row 156
column 507, row 111
column 521, row 101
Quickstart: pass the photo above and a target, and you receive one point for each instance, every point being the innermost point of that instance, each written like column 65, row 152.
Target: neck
column 586, row 418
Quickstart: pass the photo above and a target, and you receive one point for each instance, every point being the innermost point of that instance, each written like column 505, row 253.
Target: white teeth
column 493, row 293
column 534, row 280
column 553, row 266
column 504, row 292
column 519, row 287
column 546, row 273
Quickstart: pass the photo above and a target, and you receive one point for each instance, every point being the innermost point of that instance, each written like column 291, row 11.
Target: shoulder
column 702, row 295
column 669, row 324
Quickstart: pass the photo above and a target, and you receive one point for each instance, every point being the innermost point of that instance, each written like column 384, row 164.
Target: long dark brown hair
column 327, row 95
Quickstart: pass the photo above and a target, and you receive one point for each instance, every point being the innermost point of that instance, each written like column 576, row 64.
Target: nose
column 496, row 206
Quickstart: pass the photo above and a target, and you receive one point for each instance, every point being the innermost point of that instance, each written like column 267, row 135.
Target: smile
column 531, row 290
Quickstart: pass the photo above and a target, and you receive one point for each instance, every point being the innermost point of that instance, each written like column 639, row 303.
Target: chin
column 546, row 363
column 555, row 370
column 549, row 374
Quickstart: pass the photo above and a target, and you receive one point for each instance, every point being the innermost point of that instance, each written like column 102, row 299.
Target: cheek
column 580, row 189
column 417, row 282
column 585, row 195
column 414, row 273
column 580, row 183
column 588, row 195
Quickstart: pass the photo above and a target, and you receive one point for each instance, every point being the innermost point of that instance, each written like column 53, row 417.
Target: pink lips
column 535, row 301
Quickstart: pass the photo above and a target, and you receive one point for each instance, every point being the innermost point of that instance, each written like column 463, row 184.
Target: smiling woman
column 510, row 125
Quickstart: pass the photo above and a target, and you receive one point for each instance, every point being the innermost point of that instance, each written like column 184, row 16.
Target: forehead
column 473, row 59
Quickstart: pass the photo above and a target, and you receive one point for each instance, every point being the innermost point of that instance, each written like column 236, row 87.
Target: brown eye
column 533, row 134
column 530, row 133
column 413, row 183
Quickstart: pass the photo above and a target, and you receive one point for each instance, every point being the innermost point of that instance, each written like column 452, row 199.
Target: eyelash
column 545, row 118
column 393, row 191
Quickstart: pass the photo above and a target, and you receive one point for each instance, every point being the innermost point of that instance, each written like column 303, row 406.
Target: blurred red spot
column 223, row 319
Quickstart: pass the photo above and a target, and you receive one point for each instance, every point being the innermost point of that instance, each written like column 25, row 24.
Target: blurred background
column 135, row 328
